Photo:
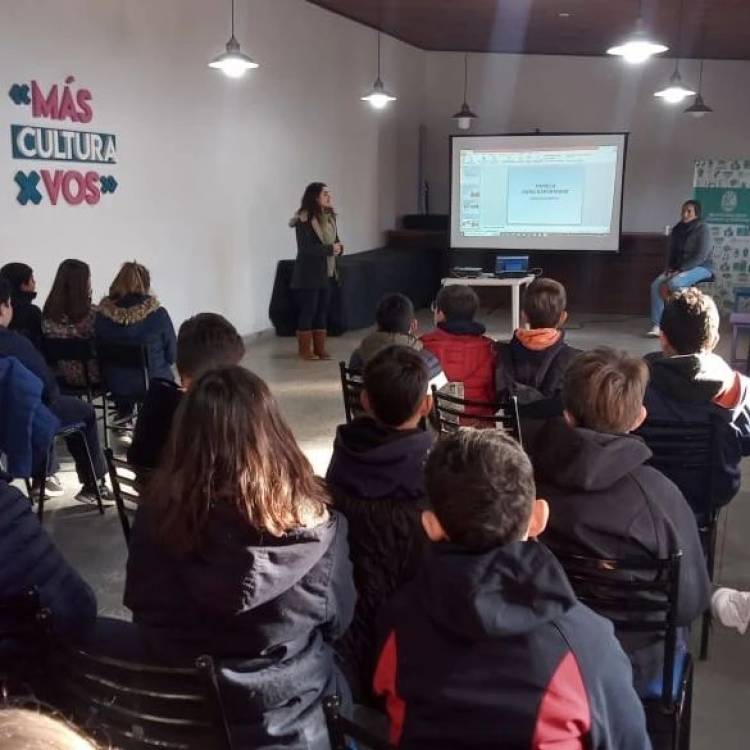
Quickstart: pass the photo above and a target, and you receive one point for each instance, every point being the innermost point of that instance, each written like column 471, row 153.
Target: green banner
column 723, row 205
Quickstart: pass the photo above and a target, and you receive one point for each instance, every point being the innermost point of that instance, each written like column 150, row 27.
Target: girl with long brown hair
column 235, row 553
column 69, row 314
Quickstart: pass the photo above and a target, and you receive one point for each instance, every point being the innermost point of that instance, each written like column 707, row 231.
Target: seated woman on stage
column 314, row 273
column 689, row 260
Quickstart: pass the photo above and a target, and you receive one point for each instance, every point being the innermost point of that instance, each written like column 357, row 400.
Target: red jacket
column 467, row 356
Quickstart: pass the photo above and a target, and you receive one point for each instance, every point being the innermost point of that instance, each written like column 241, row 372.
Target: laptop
column 511, row 266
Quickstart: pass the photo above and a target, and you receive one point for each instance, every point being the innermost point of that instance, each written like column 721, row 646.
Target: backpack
column 506, row 384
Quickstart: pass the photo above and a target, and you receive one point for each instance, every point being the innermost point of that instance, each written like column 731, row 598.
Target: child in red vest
column 458, row 341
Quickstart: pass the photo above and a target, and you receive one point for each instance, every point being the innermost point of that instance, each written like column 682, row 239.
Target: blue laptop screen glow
column 516, row 263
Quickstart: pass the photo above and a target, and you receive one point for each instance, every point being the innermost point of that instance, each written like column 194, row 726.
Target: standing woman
column 689, row 260
column 315, row 271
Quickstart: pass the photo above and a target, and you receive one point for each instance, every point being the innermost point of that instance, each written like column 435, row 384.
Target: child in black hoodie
column 605, row 501
column 27, row 317
column 376, row 480
column 488, row 646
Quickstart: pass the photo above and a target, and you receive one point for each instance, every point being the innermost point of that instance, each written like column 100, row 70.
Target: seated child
column 205, row 341
column 604, row 499
column 458, row 341
column 488, row 646
column 27, row 317
column 376, row 480
column 690, row 383
column 532, row 365
column 396, row 324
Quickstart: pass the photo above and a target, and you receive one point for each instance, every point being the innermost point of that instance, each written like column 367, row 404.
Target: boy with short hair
column 376, row 479
column 27, row 317
column 605, row 501
column 532, row 365
column 204, row 342
column 691, row 383
column 396, row 324
column 458, row 341
column 489, row 645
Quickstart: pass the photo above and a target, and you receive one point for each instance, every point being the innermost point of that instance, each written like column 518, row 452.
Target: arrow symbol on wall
column 109, row 184
column 19, row 93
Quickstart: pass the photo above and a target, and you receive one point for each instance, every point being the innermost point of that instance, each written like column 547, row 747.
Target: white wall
column 210, row 169
column 513, row 93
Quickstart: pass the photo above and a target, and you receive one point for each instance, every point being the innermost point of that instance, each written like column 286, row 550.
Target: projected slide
column 537, row 192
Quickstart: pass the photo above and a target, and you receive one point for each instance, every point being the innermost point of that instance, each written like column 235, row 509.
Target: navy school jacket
column 490, row 650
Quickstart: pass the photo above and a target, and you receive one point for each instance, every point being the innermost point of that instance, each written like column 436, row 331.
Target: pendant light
column 233, row 62
column 465, row 116
column 378, row 97
column 676, row 91
column 639, row 46
column 699, row 108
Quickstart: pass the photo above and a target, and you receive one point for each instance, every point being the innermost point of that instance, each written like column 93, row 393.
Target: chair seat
column 653, row 689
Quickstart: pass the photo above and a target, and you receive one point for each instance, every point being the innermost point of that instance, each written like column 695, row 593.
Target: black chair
column 77, row 431
column 685, row 452
column 351, row 389
column 127, row 482
column 80, row 351
column 137, row 706
column 132, row 357
column 451, row 412
column 342, row 730
column 639, row 596
column 24, row 629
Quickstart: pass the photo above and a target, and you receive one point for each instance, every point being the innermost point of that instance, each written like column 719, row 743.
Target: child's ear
column 539, row 518
column 640, row 419
column 569, row 418
column 414, row 327
column 432, row 527
column 426, row 406
column 563, row 319
column 364, row 399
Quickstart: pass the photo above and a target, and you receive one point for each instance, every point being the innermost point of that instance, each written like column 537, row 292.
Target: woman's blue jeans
column 676, row 282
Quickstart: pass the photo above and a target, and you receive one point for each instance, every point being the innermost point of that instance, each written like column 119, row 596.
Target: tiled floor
column 310, row 396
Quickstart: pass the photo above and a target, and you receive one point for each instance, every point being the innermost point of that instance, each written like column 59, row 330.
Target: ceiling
column 718, row 29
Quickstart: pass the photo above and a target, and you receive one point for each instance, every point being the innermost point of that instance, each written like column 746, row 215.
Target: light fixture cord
column 700, row 79
column 466, row 77
column 232, row 17
column 378, row 52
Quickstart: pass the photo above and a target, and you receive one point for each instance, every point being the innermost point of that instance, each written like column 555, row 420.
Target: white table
column 514, row 284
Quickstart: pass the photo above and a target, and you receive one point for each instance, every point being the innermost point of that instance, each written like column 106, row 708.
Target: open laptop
column 511, row 266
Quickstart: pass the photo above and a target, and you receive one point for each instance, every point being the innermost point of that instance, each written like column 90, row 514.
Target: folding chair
column 127, row 481
column 351, row 388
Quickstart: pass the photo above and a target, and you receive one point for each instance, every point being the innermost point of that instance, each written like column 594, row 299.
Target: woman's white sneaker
column 732, row 608
column 655, row 332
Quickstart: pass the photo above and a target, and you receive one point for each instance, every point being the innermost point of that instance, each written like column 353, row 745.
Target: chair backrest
column 123, row 356
column 81, row 351
column 351, row 388
column 127, row 482
column 638, row 595
column 132, row 705
column 342, row 730
column 450, row 413
column 684, row 452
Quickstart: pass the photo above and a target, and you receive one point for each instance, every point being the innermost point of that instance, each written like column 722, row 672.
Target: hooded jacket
column 606, row 502
column 310, row 268
column 27, row 317
column 136, row 319
column 376, row 479
column 689, row 246
column 267, row 608
column 688, row 389
column 467, row 356
column 490, row 650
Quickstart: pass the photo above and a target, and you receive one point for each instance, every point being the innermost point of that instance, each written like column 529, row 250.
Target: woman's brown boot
column 305, row 345
column 319, row 344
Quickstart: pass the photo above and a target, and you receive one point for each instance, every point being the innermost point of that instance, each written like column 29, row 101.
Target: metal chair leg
column 99, row 503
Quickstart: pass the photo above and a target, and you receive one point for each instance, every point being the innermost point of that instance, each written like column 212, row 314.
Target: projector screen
column 537, row 192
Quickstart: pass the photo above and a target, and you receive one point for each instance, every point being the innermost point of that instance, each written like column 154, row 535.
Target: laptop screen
column 505, row 263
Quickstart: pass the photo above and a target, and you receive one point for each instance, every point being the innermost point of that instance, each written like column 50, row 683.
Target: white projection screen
column 537, row 192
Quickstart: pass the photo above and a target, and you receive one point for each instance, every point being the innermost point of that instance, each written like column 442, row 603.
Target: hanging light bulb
column 378, row 97
column 464, row 117
column 233, row 62
column 639, row 46
column 676, row 91
column 698, row 108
